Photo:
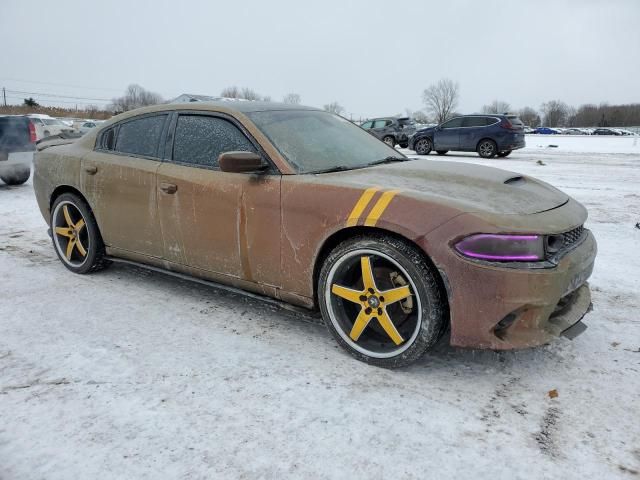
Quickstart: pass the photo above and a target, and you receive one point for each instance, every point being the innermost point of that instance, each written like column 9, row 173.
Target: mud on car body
column 302, row 206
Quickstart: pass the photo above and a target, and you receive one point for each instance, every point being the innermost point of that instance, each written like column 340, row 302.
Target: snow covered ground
column 133, row 374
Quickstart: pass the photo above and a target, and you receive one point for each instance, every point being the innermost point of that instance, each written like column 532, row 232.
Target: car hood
column 466, row 186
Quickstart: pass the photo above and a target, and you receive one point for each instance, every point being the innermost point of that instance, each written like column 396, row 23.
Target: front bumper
column 502, row 308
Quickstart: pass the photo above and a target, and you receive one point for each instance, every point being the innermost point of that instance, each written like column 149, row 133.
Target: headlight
column 502, row 248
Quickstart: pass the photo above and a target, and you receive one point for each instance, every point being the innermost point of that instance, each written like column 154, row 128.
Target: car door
column 118, row 178
column 471, row 132
column 215, row 221
column 380, row 128
column 447, row 135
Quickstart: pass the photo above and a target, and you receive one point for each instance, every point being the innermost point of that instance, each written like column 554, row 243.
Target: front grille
column 572, row 236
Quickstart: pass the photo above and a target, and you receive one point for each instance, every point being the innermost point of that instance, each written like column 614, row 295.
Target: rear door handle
column 168, row 187
column 91, row 169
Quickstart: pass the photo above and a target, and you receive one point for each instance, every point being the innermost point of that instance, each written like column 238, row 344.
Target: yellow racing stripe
column 360, row 205
column 379, row 208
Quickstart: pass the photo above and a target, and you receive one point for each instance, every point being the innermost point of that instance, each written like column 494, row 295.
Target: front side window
column 453, row 123
column 140, row 136
column 367, row 125
column 200, row 139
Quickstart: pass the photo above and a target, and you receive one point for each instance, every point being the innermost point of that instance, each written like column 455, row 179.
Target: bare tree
column 529, row 117
column 497, row 106
column 244, row 93
column 555, row 113
column 441, row 99
column 231, row 92
column 249, row 94
column 135, row 96
column 292, row 98
column 334, row 107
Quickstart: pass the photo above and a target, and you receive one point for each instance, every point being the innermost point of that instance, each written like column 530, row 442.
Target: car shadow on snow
column 443, row 357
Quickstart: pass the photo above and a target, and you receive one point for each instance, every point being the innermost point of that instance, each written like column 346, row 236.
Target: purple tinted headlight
column 502, row 248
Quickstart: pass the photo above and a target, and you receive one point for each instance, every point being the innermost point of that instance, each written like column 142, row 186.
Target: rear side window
column 474, row 122
column 379, row 124
column 107, row 139
column 140, row 136
column 491, row 120
column 515, row 121
column 199, row 140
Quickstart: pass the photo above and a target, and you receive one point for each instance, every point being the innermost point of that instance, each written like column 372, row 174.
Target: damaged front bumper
column 500, row 308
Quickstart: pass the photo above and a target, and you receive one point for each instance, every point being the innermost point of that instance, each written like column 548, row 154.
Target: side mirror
column 241, row 162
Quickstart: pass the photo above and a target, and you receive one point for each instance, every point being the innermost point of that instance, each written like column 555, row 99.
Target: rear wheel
column 389, row 140
column 442, row 152
column 423, row 146
column 487, row 149
column 506, row 153
column 17, row 177
column 381, row 301
column 75, row 235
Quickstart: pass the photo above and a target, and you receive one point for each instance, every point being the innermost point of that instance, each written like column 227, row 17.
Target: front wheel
column 506, row 153
column 75, row 235
column 17, row 177
column 487, row 149
column 381, row 300
column 389, row 140
column 423, row 146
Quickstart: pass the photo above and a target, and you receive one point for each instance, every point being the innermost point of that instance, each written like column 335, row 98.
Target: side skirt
column 310, row 315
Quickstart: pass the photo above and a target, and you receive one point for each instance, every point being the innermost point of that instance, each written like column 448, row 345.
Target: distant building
column 188, row 97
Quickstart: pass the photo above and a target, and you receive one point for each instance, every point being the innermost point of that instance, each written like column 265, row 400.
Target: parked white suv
column 47, row 126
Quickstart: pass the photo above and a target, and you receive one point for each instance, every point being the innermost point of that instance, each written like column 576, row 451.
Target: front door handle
column 91, row 169
column 168, row 187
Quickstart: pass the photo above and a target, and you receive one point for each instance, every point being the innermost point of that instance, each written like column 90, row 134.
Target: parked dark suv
column 489, row 135
column 17, row 144
column 392, row 131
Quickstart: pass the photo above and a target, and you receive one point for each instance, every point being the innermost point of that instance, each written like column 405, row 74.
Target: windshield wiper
column 390, row 159
column 342, row 168
column 339, row 168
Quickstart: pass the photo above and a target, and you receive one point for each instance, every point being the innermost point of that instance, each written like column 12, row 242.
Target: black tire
column 423, row 146
column 389, row 140
column 422, row 321
column 404, row 145
column 87, row 237
column 17, row 177
column 487, row 148
column 442, row 152
column 506, row 153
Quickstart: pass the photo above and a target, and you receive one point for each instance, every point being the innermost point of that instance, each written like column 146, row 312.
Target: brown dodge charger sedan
column 302, row 206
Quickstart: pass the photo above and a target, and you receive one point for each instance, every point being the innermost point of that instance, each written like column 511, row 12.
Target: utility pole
column 4, row 96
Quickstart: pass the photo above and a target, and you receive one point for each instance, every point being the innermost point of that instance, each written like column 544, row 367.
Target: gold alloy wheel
column 70, row 233
column 373, row 303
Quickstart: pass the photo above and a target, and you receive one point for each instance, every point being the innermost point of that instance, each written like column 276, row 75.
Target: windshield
column 314, row 141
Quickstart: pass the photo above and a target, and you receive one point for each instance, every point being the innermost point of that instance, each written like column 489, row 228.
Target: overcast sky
column 373, row 57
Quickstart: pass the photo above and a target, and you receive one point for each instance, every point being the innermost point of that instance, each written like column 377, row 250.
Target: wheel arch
column 344, row 234
column 483, row 139
column 62, row 189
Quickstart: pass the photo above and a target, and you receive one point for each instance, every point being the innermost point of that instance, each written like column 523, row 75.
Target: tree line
column 441, row 100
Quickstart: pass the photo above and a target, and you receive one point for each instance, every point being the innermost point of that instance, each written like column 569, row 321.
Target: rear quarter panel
column 55, row 167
